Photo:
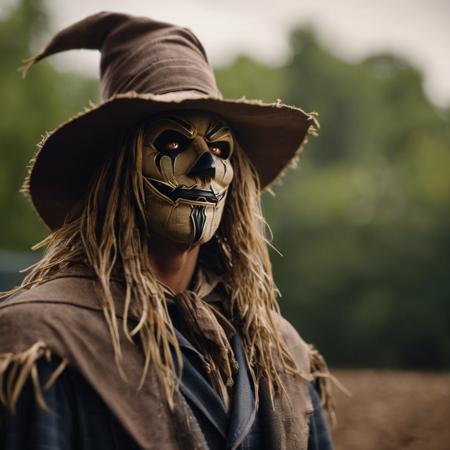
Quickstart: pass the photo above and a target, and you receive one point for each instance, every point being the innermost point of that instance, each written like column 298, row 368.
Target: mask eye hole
column 220, row 149
column 171, row 141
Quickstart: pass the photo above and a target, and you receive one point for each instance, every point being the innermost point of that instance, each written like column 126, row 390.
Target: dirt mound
column 392, row 410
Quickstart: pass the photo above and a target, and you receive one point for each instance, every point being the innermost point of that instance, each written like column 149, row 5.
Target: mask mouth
column 187, row 194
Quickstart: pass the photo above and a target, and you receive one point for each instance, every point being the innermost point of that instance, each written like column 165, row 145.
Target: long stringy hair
column 110, row 235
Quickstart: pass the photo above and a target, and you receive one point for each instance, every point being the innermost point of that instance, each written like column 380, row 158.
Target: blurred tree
column 364, row 222
column 28, row 108
column 238, row 80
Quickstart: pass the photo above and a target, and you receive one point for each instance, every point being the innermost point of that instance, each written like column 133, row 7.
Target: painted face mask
column 187, row 171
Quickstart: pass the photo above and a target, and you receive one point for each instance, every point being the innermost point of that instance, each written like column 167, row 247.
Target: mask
column 187, row 171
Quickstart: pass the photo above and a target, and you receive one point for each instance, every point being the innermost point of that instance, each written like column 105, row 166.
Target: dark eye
column 220, row 149
column 171, row 141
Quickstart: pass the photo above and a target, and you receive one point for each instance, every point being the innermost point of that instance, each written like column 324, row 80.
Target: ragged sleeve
column 31, row 427
column 75, row 417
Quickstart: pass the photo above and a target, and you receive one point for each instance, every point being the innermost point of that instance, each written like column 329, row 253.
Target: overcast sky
column 416, row 29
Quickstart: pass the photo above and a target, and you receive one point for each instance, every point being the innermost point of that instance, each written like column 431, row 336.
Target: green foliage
column 28, row 108
column 363, row 222
column 238, row 80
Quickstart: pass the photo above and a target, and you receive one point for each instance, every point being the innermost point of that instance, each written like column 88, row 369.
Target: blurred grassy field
column 393, row 410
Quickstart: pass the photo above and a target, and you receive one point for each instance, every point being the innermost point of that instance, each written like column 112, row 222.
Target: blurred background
column 363, row 222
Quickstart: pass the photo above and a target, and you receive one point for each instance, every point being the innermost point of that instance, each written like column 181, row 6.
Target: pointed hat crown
column 138, row 54
column 147, row 67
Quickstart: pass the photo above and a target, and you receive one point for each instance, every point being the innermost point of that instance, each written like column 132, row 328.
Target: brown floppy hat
column 148, row 67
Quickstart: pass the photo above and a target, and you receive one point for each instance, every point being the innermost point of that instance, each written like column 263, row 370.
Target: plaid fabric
column 82, row 421
column 79, row 418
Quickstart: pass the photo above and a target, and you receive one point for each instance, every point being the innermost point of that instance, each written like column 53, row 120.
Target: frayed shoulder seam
column 17, row 367
column 324, row 380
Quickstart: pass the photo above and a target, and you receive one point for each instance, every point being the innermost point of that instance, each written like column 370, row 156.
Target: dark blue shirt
column 81, row 421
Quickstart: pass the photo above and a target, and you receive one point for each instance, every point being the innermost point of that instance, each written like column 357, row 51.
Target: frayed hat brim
column 271, row 134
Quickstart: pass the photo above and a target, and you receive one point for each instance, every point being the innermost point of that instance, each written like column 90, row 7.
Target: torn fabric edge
column 16, row 368
column 322, row 376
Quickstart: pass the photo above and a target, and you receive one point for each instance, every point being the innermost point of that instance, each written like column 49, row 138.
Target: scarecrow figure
column 152, row 320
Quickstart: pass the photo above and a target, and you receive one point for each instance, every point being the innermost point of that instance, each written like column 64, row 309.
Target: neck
column 173, row 264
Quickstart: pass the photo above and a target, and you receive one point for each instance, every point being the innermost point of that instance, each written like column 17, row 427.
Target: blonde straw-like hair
column 110, row 234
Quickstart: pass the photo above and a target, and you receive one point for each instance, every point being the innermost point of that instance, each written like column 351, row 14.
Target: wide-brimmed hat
column 148, row 67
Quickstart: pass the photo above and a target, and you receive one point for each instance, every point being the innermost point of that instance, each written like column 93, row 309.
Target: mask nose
column 204, row 167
